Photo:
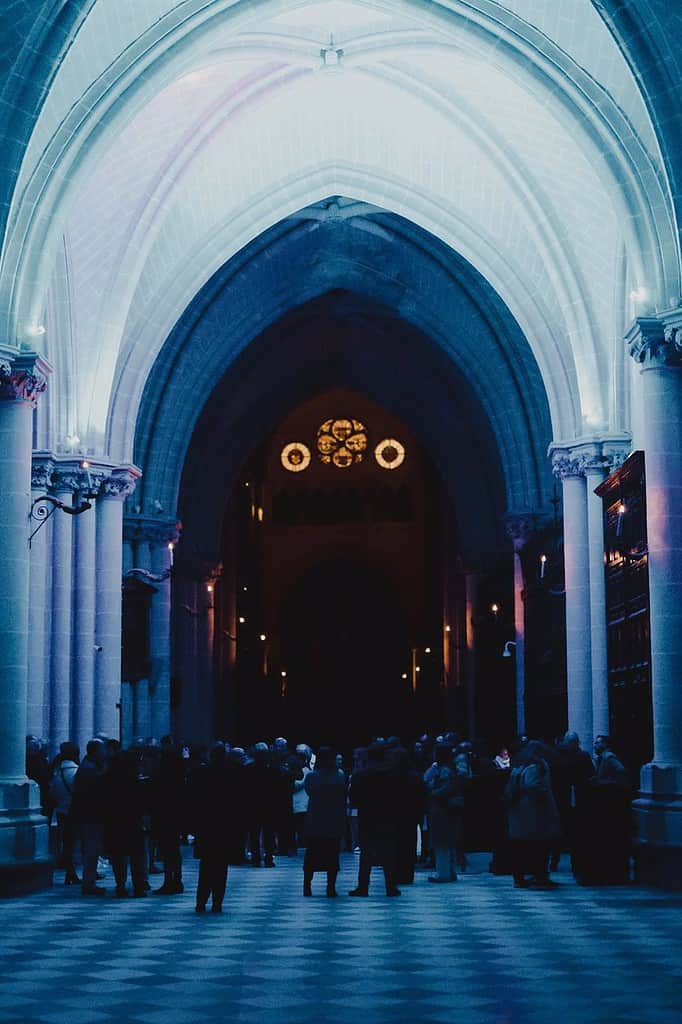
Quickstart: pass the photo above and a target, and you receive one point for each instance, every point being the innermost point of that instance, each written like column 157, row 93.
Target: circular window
column 295, row 456
column 389, row 453
column 342, row 442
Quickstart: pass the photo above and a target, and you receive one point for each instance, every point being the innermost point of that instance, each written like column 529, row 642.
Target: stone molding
column 151, row 529
column 656, row 341
column 24, row 379
column 589, row 456
column 58, row 473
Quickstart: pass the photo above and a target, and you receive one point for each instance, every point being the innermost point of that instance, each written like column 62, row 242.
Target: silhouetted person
column 64, row 771
column 374, row 793
column 411, row 806
column 571, row 770
column 533, row 818
column 446, row 804
column 38, row 770
column 87, row 808
column 168, row 816
column 126, row 796
column 608, row 824
column 217, row 809
column 325, row 820
column 263, row 792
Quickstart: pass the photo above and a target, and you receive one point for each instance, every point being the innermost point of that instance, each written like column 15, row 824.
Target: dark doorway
column 345, row 645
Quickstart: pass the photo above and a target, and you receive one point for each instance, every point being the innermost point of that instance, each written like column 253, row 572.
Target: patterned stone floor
column 478, row 952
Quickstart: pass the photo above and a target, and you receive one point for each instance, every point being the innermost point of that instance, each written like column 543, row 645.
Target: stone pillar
column 24, row 857
column 470, row 598
column 84, row 653
column 601, row 458
column 568, row 465
column 160, row 633
column 519, row 528
column 38, row 709
column 64, row 482
column 109, row 563
column 656, row 344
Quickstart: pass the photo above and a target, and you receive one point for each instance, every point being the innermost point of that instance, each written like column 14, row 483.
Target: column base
column 658, row 818
column 25, row 861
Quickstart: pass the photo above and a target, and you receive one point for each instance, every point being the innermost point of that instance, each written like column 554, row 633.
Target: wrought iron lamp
column 45, row 505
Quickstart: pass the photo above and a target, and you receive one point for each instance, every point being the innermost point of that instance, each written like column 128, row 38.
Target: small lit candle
column 170, row 553
column 427, row 650
column 86, row 466
column 263, row 636
column 242, row 619
column 543, row 563
column 494, row 608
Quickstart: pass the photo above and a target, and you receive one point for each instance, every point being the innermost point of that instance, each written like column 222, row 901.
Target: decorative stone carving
column 521, row 526
column 596, row 455
column 25, row 379
column 65, row 477
column 151, row 529
column 567, row 464
column 120, row 484
column 41, row 474
column 657, row 340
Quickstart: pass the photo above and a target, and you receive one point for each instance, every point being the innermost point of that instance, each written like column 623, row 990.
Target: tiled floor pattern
column 478, row 952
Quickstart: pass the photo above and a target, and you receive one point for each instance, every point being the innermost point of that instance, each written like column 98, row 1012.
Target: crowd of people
column 395, row 807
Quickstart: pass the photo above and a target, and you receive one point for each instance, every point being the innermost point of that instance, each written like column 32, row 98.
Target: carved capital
column 587, row 456
column 566, row 464
column 65, row 477
column 42, row 469
column 120, row 484
column 521, row 526
column 657, row 340
column 24, row 379
column 151, row 529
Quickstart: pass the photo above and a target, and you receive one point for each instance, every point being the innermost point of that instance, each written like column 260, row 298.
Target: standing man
column 88, row 811
column 374, row 793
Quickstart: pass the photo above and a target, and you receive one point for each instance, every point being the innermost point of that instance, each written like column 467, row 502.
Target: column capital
column 655, row 341
column 600, row 454
column 522, row 525
column 120, row 483
column 24, row 378
column 42, row 468
column 153, row 529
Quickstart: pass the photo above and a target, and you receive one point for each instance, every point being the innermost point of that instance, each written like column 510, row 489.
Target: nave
column 478, row 952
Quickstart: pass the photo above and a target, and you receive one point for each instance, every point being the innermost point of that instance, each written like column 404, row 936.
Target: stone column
column 84, row 650
column 656, row 344
column 64, row 482
column 108, row 603
column 519, row 528
column 568, row 465
column 38, row 721
column 470, row 598
column 601, row 458
column 24, row 858
column 160, row 631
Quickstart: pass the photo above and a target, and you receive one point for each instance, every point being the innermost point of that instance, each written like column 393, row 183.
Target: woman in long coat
column 533, row 818
column 325, row 820
column 446, row 807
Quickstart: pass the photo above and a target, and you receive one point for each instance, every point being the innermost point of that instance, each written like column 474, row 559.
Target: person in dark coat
column 571, row 769
column 88, row 813
column 446, row 808
column 126, row 800
column 325, row 820
column 374, row 792
column 533, row 818
column 217, row 809
column 412, row 801
column 608, row 824
column 168, row 816
column 263, row 786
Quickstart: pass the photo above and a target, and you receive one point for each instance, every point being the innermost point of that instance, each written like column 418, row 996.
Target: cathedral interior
column 341, row 397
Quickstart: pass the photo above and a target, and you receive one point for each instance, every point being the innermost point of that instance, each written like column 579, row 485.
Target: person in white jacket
column 300, row 797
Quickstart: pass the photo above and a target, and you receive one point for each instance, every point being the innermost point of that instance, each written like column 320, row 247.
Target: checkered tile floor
column 478, row 952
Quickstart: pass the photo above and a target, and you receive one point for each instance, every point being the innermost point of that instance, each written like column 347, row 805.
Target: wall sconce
column 45, row 505
column 506, row 653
